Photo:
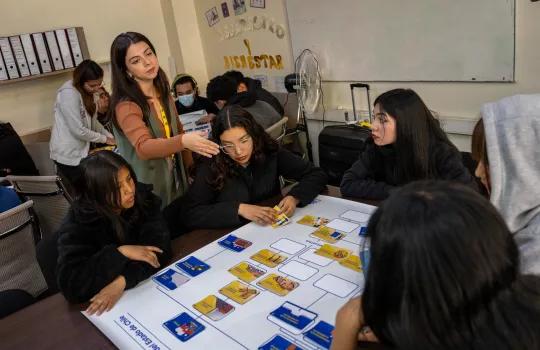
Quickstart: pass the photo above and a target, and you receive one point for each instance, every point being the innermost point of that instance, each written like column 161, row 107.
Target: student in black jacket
column 227, row 187
column 113, row 237
column 406, row 144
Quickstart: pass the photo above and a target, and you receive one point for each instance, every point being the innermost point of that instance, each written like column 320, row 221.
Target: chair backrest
column 51, row 201
column 19, row 268
column 278, row 130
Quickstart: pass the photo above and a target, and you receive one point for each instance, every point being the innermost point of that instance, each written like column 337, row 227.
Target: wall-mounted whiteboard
column 406, row 40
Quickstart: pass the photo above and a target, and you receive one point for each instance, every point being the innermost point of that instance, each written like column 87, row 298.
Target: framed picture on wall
column 225, row 9
column 258, row 3
column 212, row 16
column 239, row 7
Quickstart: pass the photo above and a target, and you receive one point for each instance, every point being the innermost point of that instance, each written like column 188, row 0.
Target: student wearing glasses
column 227, row 188
column 406, row 144
column 75, row 122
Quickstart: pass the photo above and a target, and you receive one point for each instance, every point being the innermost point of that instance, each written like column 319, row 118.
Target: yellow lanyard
column 165, row 122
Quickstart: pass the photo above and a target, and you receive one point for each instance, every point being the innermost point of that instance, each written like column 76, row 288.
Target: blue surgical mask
column 186, row 100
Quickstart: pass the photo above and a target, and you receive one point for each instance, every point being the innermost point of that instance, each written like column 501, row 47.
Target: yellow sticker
column 246, row 272
column 268, row 258
column 333, row 252
column 278, row 284
column 352, row 262
column 239, row 292
column 328, row 234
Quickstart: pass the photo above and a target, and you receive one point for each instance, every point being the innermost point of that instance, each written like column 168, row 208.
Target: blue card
column 184, row 327
column 234, row 243
column 321, row 334
column 170, row 279
column 362, row 231
column 292, row 317
column 279, row 343
column 192, row 266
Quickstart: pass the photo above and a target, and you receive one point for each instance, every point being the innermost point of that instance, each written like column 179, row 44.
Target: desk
column 53, row 323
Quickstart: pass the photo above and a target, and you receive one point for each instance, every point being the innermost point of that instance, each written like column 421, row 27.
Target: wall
column 29, row 105
column 454, row 100
column 265, row 29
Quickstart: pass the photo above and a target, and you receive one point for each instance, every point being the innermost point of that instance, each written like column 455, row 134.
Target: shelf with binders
column 65, row 45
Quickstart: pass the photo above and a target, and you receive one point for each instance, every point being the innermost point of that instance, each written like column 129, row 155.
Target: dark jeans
column 71, row 177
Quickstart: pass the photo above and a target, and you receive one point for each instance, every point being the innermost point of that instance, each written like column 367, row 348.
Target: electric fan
column 306, row 83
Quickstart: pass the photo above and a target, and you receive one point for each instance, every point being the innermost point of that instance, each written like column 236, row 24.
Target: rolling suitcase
column 340, row 145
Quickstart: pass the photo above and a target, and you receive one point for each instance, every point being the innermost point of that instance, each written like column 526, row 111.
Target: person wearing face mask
column 406, row 144
column 187, row 98
column 76, row 124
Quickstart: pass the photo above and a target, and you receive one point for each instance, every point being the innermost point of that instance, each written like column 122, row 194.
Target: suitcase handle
column 360, row 85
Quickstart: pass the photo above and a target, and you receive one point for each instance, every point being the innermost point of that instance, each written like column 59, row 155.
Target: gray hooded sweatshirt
column 512, row 128
column 73, row 128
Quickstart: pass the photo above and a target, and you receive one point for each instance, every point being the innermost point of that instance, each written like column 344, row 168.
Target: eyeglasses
column 232, row 148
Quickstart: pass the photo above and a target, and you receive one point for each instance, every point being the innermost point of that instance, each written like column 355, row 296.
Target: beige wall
column 29, row 105
column 462, row 100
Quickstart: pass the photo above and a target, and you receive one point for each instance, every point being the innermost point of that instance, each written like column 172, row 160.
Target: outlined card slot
column 287, row 246
column 298, row 270
column 342, row 225
column 315, row 258
column 356, row 216
column 335, row 285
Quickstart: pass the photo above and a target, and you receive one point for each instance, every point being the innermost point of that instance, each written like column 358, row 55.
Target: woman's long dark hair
column 222, row 166
column 444, row 274
column 417, row 132
column 87, row 70
column 100, row 192
column 125, row 88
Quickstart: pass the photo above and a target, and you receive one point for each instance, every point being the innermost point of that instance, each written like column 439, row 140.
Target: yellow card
column 315, row 221
column 239, row 292
column 333, row 252
column 247, row 272
column 280, row 219
column 278, row 284
column 213, row 307
column 352, row 262
column 268, row 258
column 328, row 234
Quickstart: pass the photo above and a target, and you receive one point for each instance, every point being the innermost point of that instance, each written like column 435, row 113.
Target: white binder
column 64, row 48
column 54, row 51
column 18, row 52
column 9, row 60
column 41, row 50
column 28, row 47
column 75, row 47
column 3, row 72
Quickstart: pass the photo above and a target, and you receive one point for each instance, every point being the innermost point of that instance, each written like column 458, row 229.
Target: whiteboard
column 406, row 40
column 323, row 285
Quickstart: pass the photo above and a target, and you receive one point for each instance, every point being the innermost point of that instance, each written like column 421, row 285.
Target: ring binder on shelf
column 30, row 53
column 75, row 45
column 18, row 52
column 54, row 51
column 65, row 52
column 3, row 72
column 41, row 50
column 9, row 60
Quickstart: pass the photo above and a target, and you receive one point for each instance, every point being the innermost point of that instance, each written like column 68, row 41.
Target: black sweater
column 88, row 258
column 206, row 207
column 373, row 175
column 198, row 104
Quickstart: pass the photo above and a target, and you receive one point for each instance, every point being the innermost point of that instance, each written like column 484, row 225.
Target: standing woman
column 146, row 125
column 406, row 144
column 75, row 122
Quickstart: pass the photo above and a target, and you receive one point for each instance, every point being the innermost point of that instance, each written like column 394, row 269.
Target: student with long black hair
column 146, row 125
column 228, row 187
column 406, row 144
column 113, row 237
column 75, row 122
column 443, row 274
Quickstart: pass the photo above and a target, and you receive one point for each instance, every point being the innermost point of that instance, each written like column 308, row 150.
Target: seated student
column 504, row 143
column 113, row 237
column 226, row 189
column 443, row 274
column 222, row 91
column 248, row 84
column 187, row 98
column 406, row 144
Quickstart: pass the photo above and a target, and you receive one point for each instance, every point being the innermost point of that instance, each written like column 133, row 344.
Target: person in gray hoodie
column 75, row 122
column 505, row 144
